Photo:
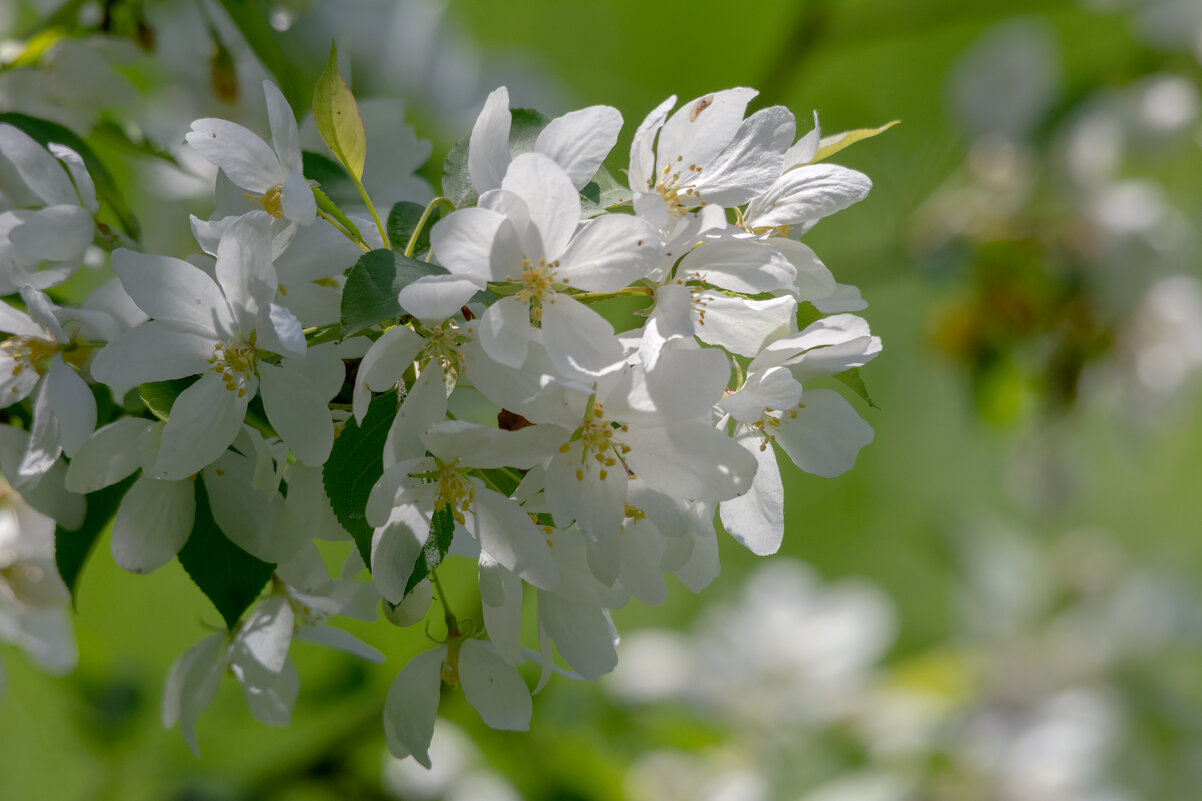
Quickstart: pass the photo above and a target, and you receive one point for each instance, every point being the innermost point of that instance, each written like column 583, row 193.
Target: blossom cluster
column 454, row 383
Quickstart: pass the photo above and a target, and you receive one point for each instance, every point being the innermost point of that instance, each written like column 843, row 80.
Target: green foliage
column 527, row 124
column 370, row 294
column 603, row 192
column 456, row 182
column 72, row 548
column 337, row 116
column 338, row 215
column 356, row 462
column 442, row 530
column 330, row 177
column 159, row 396
column 273, row 49
column 228, row 576
column 852, row 379
column 402, row 222
column 45, row 132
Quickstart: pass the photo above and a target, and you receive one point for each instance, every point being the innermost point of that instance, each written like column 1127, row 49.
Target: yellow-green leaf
column 830, row 145
column 337, row 116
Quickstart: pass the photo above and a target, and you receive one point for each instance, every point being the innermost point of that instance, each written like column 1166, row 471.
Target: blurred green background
column 965, row 443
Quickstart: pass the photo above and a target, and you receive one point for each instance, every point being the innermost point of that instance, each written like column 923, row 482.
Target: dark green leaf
column 456, row 182
column 329, row 207
column 159, row 396
column 356, row 462
column 230, row 577
column 603, row 192
column 852, row 379
column 402, row 222
column 45, row 132
column 524, row 130
column 331, row 177
column 442, row 530
column 370, row 293
column 72, row 548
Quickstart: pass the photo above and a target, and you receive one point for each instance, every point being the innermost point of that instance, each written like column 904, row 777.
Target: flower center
column 455, row 491
column 538, row 281
column 598, row 437
column 677, row 189
column 34, row 353
column 271, row 201
column 235, row 363
column 770, row 423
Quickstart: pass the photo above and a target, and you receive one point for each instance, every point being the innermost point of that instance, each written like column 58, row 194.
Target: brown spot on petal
column 700, row 106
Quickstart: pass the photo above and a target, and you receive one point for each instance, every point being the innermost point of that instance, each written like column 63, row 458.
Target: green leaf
column 228, row 576
column 807, row 313
column 356, row 462
column 44, row 132
column 159, row 396
column 830, row 145
column 370, row 293
column 527, row 124
column 456, row 182
column 337, row 116
column 72, row 548
column 280, row 52
column 331, row 177
column 402, row 222
column 603, row 192
column 442, row 530
column 328, row 206
column 852, row 379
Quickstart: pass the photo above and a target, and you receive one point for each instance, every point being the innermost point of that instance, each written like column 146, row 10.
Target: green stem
column 585, row 297
column 452, row 621
column 421, row 223
column 343, row 231
column 371, row 207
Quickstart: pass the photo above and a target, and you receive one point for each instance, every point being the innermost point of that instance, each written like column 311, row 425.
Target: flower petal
column 553, row 203
column 204, row 421
column 73, row 403
column 55, row 233
column 493, row 687
column 239, row 153
column 580, row 342
column 826, row 436
column 173, row 290
column 580, row 140
column 488, row 148
column 153, row 522
column 383, row 365
column 756, row 519
column 412, row 705
column 609, row 253
column 153, row 351
column 298, row 414
column 108, row 456
column 583, row 634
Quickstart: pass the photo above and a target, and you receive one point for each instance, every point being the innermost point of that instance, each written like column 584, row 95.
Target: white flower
column 272, row 173
column 57, row 234
column 220, row 329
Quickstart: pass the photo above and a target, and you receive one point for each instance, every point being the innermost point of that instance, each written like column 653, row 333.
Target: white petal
column 239, row 153
column 691, row 460
column 488, row 148
column 40, row 170
column 108, row 456
column 250, row 518
column 501, row 597
column 806, row 195
column 582, row 633
column 425, row 405
column 285, row 139
column 204, row 421
column 757, row 518
column 297, row 201
column 394, row 550
column 45, row 443
column 774, row 388
column 740, row 265
column 670, row 321
column 814, row 280
column 153, row 351
column 481, row 446
column 703, row 566
column 580, row 140
column 744, row 326
column 266, row 634
column 609, row 253
column 576, row 491
column 244, row 269
column 297, row 413
column 434, row 298
column 804, row 150
column 174, row 290
column 751, row 162
column 412, row 705
column 553, row 202
column 580, row 342
column 153, row 522
column 79, row 175
column 191, row 685
column 270, row 696
column 73, row 403
column 642, row 156
column 341, row 640
column 506, row 533
column 701, row 129
column 15, row 321
column 493, row 687
column 505, row 331
column 826, row 435
column 55, row 233
column 462, row 242
column 383, row 365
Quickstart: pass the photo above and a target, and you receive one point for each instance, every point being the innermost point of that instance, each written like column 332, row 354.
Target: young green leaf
column 159, row 396
column 370, row 293
column 331, row 177
column 442, row 529
column 852, row 379
column 72, row 548
column 228, row 576
column 527, row 124
column 356, row 462
column 830, row 145
column 337, row 116
column 456, row 182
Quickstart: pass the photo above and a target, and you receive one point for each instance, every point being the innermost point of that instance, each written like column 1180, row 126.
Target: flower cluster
column 565, row 379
